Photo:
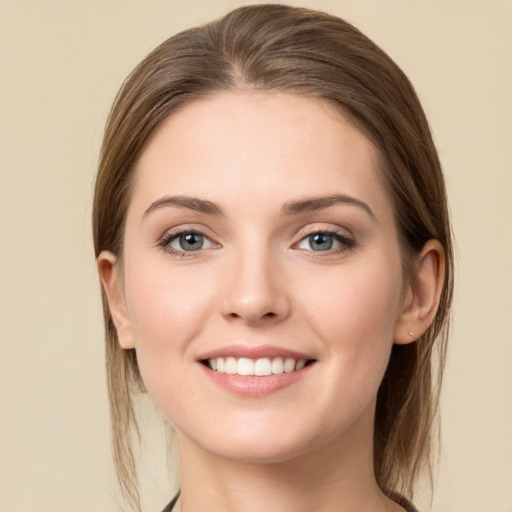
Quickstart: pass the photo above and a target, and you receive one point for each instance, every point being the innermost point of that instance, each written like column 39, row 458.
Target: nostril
column 270, row 314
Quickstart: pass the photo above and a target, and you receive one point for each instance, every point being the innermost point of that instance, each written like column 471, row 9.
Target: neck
column 337, row 477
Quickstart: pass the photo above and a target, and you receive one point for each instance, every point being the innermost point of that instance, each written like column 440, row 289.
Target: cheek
column 355, row 316
column 362, row 302
column 162, row 300
column 168, row 309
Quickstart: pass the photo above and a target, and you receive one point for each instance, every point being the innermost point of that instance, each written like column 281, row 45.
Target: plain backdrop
column 61, row 63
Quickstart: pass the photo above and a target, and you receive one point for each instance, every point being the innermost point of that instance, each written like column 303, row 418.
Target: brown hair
column 281, row 48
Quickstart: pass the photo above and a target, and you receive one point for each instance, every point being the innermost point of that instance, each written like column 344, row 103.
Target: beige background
column 61, row 64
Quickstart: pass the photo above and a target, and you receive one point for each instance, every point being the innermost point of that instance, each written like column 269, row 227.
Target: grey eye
column 189, row 242
column 320, row 242
column 323, row 241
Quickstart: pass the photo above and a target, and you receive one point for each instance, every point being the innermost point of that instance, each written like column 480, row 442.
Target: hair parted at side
column 272, row 47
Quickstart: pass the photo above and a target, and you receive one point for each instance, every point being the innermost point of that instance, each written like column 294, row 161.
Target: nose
column 255, row 290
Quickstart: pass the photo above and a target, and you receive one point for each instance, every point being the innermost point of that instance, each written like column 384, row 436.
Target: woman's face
column 261, row 276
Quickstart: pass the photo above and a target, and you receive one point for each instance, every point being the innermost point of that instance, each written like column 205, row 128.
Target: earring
column 410, row 333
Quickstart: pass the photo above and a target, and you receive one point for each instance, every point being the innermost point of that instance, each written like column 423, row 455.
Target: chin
column 264, row 445
column 259, row 453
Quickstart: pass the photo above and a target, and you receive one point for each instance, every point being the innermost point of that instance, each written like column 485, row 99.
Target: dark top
column 170, row 506
column 403, row 502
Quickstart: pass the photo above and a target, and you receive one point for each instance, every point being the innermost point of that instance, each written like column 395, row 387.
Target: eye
column 186, row 241
column 323, row 241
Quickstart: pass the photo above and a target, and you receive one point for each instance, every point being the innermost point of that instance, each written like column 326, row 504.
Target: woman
column 273, row 241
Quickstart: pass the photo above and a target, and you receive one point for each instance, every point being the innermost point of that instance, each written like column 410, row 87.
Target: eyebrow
column 319, row 203
column 190, row 203
column 295, row 207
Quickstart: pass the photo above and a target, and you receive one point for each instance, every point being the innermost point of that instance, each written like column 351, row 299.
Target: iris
column 320, row 242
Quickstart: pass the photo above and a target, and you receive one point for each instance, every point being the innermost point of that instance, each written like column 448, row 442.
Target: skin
column 258, row 281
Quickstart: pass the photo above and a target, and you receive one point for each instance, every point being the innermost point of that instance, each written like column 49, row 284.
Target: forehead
column 257, row 144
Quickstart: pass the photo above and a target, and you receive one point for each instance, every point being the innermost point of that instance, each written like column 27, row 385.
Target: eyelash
column 346, row 242
column 165, row 242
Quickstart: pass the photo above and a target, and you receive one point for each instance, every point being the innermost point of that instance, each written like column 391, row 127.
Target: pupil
column 191, row 242
column 321, row 242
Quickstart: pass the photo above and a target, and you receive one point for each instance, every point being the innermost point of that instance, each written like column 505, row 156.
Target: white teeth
column 259, row 367
column 289, row 365
column 300, row 364
column 263, row 367
column 277, row 365
column 231, row 365
column 245, row 366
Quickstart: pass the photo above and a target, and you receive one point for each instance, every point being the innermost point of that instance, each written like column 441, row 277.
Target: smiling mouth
column 260, row 367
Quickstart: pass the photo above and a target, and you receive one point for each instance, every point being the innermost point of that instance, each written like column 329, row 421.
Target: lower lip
column 253, row 385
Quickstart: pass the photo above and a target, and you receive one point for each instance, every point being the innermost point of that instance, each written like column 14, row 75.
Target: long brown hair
column 281, row 48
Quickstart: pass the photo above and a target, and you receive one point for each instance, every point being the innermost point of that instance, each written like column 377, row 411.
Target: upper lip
column 253, row 352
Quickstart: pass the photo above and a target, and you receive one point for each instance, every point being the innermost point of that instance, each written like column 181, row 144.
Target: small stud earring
column 410, row 333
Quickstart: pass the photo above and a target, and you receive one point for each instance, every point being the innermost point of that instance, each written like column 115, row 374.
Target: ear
column 112, row 284
column 421, row 297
